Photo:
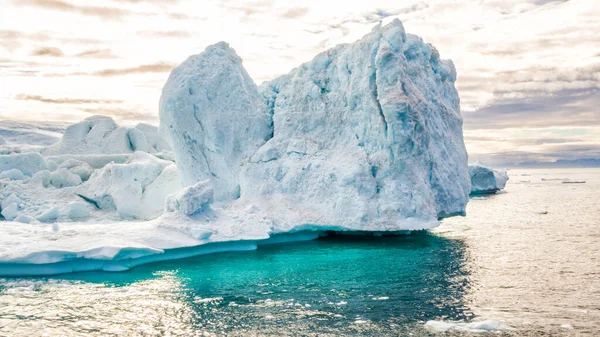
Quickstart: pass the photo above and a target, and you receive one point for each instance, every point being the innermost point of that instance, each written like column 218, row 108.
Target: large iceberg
column 485, row 180
column 365, row 137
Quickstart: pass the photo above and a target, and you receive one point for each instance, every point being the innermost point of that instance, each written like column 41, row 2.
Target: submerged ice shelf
column 366, row 137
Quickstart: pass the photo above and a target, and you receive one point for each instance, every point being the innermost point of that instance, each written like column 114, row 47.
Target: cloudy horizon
column 528, row 71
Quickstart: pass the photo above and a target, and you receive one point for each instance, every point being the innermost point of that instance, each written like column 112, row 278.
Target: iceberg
column 365, row 138
column 485, row 180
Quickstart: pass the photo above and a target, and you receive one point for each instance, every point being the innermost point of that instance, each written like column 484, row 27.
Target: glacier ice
column 485, row 180
column 213, row 116
column 366, row 137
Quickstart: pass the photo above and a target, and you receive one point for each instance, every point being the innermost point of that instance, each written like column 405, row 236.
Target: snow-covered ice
column 366, row 137
column 485, row 180
column 102, row 135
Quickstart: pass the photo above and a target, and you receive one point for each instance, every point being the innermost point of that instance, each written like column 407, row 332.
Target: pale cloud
column 39, row 98
column 48, row 51
column 531, row 66
column 96, row 53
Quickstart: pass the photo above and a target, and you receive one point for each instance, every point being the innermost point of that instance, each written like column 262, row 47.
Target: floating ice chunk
column 10, row 212
column 213, row 116
column 78, row 211
column 50, row 215
column 12, row 174
column 192, row 199
column 568, row 181
column 485, row 180
column 475, row 327
column 567, row 326
column 22, row 218
column 64, row 178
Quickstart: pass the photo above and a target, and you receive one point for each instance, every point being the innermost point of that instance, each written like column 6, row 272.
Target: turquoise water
column 528, row 257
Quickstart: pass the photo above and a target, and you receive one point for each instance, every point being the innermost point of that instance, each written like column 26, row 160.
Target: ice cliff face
column 366, row 136
column 485, row 180
column 213, row 116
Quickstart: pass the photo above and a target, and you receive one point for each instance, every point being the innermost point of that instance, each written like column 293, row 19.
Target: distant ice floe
column 485, row 180
column 474, row 327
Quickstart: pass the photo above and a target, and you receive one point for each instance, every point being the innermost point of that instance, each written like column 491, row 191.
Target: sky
column 528, row 71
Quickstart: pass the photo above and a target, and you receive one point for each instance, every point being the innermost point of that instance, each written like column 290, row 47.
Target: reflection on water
column 333, row 285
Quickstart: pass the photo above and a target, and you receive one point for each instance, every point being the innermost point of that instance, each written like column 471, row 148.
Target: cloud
column 248, row 8
column 25, row 97
column 123, row 114
column 159, row 67
column 563, row 108
column 48, row 51
column 294, row 13
column 96, row 53
column 58, row 5
column 165, row 34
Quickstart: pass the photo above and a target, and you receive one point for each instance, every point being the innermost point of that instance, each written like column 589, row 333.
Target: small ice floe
column 342, row 303
column 269, row 317
column 381, row 298
column 207, row 300
column 475, row 327
column 360, row 321
column 566, row 326
column 579, row 311
column 307, row 305
column 573, row 181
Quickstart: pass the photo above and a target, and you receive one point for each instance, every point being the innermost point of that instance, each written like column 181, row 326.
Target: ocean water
column 528, row 257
